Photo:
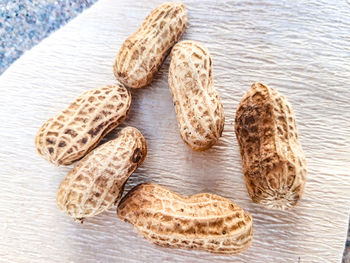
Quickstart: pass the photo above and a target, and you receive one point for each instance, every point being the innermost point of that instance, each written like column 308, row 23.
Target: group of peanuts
column 272, row 157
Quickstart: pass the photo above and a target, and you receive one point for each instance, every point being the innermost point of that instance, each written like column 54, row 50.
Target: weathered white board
column 301, row 48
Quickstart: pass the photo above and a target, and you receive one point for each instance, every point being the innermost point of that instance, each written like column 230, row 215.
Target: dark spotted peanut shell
column 142, row 54
column 273, row 161
column 75, row 131
column 198, row 107
column 97, row 181
column 203, row 221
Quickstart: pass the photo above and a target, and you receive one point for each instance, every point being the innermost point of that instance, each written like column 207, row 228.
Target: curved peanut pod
column 142, row 54
column 203, row 221
column 198, row 107
column 73, row 132
column 274, row 164
column 97, row 181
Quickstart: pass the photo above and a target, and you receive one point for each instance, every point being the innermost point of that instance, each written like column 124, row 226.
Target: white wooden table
column 301, row 48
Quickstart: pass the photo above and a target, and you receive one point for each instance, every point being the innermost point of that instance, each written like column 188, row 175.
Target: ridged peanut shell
column 203, row 221
column 142, row 54
column 73, row 132
column 274, row 164
column 198, row 107
column 97, row 181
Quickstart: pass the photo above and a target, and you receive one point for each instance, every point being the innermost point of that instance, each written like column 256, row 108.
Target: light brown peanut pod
column 198, row 107
column 204, row 221
column 73, row 132
column 273, row 161
column 142, row 54
column 97, row 181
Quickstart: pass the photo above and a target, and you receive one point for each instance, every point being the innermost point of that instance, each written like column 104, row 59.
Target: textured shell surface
column 273, row 161
column 198, row 107
column 204, row 221
column 73, row 132
column 142, row 54
column 97, row 181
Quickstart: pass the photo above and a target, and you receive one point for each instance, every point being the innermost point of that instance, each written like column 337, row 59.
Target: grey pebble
column 24, row 23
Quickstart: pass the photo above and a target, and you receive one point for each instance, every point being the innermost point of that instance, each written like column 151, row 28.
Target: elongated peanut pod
column 97, row 181
column 203, row 221
column 273, row 161
column 142, row 54
column 198, row 107
column 73, row 132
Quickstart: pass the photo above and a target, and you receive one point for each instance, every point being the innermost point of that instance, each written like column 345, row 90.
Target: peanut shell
column 142, row 54
column 203, row 221
column 274, row 164
column 73, row 132
column 198, row 107
column 97, row 181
